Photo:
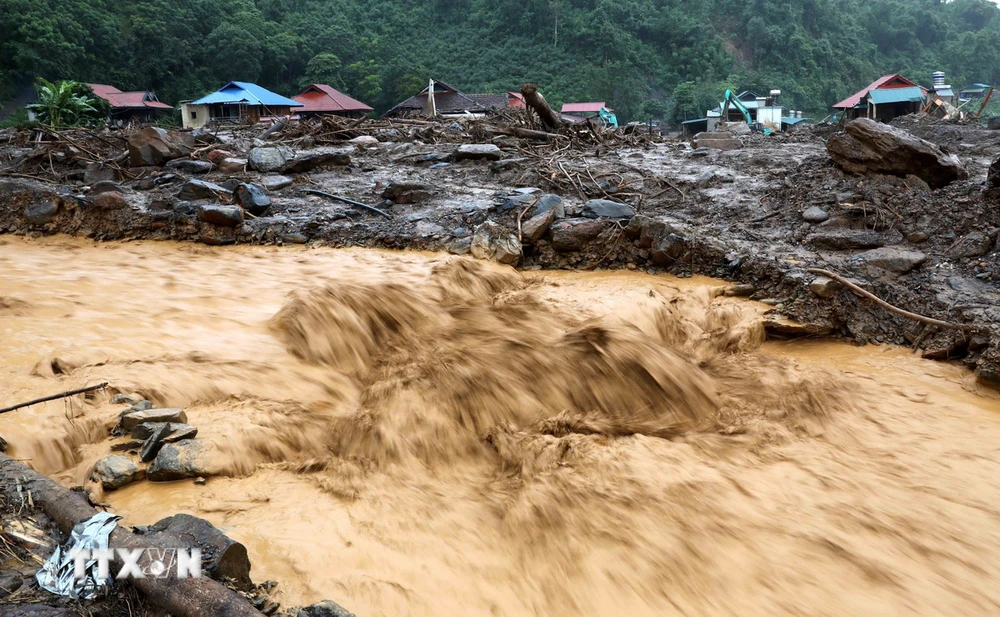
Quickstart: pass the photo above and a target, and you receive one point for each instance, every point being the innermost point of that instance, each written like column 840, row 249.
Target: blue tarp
column 896, row 95
column 243, row 92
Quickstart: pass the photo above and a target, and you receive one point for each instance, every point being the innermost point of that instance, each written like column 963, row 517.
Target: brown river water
column 415, row 434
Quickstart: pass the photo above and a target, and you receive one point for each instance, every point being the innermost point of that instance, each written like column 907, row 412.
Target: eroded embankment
column 425, row 435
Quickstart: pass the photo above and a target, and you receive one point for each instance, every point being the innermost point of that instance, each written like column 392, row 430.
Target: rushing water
column 415, row 434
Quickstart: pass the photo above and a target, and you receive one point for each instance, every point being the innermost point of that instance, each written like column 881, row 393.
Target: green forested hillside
column 682, row 53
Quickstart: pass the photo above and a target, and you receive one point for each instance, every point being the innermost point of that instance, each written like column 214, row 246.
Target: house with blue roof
column 237, row 101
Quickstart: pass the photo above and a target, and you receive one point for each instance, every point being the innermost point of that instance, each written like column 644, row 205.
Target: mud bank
column 434, row 435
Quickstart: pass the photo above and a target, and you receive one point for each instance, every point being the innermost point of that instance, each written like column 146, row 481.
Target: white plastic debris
column 59, row 576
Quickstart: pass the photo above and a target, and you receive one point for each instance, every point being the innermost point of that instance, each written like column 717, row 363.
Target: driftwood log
column 516, row 131
column 534, row 99
column 186, row 597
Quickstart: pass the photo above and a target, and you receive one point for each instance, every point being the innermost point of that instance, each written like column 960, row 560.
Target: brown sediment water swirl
column 429, row 435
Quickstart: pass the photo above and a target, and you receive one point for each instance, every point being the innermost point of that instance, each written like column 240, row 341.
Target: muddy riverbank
column 430, row 434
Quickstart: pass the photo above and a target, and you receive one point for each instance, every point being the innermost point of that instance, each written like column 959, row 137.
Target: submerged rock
column 326, row 608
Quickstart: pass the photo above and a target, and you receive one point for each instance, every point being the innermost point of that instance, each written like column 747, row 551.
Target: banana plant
column 61, row 104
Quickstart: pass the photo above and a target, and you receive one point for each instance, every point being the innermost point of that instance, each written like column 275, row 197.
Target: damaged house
column 237, row 101
column 321, row 99
column 440, row 99
column 138, row 106
column 885, row 98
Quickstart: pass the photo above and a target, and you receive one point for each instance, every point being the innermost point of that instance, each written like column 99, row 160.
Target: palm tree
column 61, row 103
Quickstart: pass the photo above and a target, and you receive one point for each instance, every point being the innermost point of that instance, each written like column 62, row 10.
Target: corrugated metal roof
column 127, row 100
column 944, row 92
column 855, row 99
column 584, row 108
column 321, row 98
column 896, row 95
column 795, row 120
column 244, row 92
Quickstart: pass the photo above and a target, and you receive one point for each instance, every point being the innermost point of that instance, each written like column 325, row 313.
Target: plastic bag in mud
column 58, row 575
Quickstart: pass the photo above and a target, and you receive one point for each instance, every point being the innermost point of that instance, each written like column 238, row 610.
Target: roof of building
column 449, row 100
column 894, row 80
column 244, row 92
column 896, row 95
column 695, row 121
column 944, row 92
column 975, row 87
column 582, row 108
column 490, row 101
column 323, row 98
column 795, row 120
column 127, row 100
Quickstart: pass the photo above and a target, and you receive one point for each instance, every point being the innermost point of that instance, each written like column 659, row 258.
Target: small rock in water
column 127, row 399
column 326, row 608
column 814, row 215
column 142, row 405
column 116, row 471
column 132, row 419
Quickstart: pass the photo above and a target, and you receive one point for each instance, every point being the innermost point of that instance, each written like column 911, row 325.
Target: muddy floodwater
column 417, row 434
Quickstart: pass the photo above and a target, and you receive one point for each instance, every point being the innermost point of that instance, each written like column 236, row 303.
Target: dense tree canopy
column 682, row 53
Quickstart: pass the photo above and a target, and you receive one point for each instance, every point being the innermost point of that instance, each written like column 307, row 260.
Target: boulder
column 364, row 140
column 177, row 431
column 126, row 399
column 189, row 458
column 460, row 246
column 842, row 239
column 516, row 202
column 815, row 215
column 116, row 471
column 783, row 327
column 192, row 167
column 326, row 608
column 478, row 152
column 154, row 146
column 549, row 202
column 408, row 192
column 253, row 198
column 104, row 186
column 272, row 158
column 482, row 241
column 223, row 216
column 154, row 443
column 276, row 183
column 302, row 164
column 110, row 200
column 232, row 165
column 667, row 249
column 41, row 213
column 508, row 250
column 194, row 190
column 869, row 147
column 606, row 209
column 973, row 244
column 535, row 228
column 891, row 258
column 95, row 172
column 825, row 287
column 222, row 557
column 132, row 419
column 574, row 234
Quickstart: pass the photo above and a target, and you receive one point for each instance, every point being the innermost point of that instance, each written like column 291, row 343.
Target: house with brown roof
column 440, row 99
column 321, row 99
column 138, row 106
column 885, row 98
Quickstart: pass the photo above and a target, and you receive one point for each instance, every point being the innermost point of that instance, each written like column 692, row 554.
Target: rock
column 716, row 141
column 95, row 172
column 111, row 200
column 154, row 146
column 192, row 167
column 478, row 152
column 269, row 158
column 276, row 183
column 825, row 287
column 252, row 198
column 217, row 156
column 3, row 444
column 815, row 215
column 548, row 202
column 326, row 608
column 132, row 419
column 842, row 239
column 891, row 258
column 295, row 238
column 574, row 234
column 460, row 246
column 916, row 237
column 869, row 147
column 783, row 327
column 224, row 216
column 534, row 229
column 153, row 443
column 42, row 213
column 741, row 290
column 142, row 405
column 517, row 202
column 482, row 241
column 177, row 431
column 104, row 186
column 116, row 471
column 232, row 165
column 408, row 192
column 302, row 164
column 973, row 244
column 508, row 250
column 188, row 458
column 606, row 209
column 222, row 557
column 364, row 140
column 667, row 250
column 125, row 399
column 194, row 190
column 699, row 152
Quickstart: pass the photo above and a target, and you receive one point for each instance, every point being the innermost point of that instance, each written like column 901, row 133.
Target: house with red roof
column 139, row 106
column 885, row 98
column 319, row 99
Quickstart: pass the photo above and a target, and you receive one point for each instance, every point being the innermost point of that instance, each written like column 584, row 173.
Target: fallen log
column 181, row 597
column 516, row 131
column 54, row 397
column 534, row 99
column 347, row 201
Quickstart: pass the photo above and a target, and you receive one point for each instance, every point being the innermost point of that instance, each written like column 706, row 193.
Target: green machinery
column 731, row 99
column 608, row 118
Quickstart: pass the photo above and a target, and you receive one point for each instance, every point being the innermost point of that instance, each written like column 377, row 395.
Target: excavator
column 608, row 118
column 731, row 99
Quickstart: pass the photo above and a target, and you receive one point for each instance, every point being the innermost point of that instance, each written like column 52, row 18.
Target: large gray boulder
column 869, row 147
column 154, row 146
column 891, row 258
column 607, row 209
column 132, row 419
column 253, row 198
column 188, row 458
column 269, row 158
column 116, row 471
column 574, row 234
